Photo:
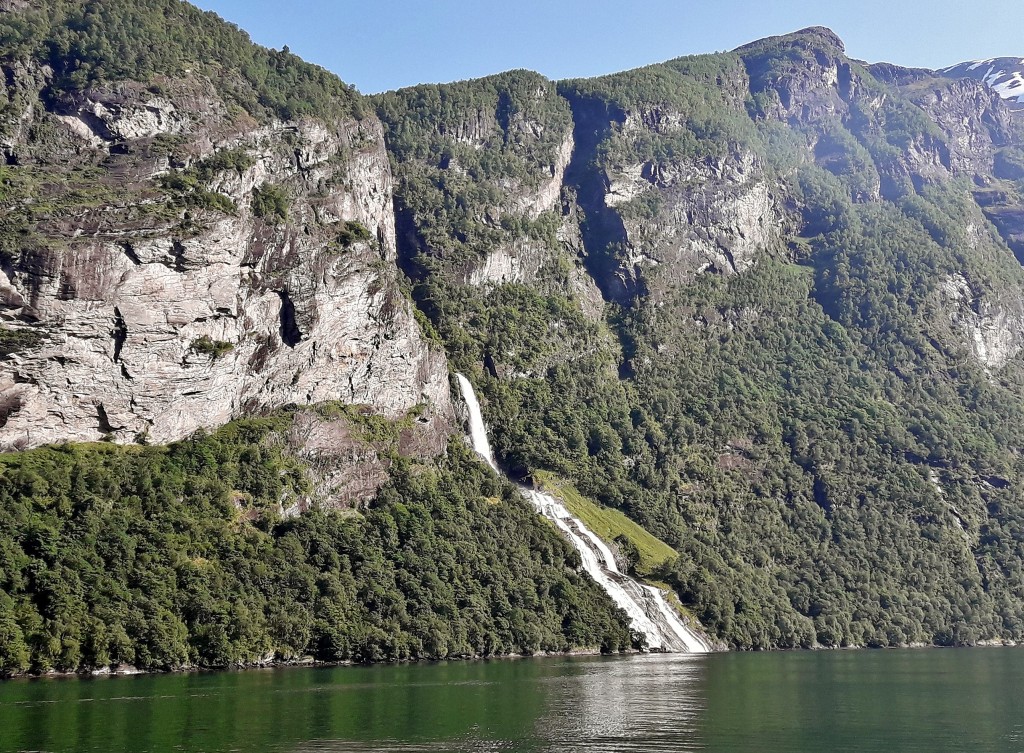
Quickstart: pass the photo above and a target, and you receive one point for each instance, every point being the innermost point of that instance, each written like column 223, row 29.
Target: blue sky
column 386, row 44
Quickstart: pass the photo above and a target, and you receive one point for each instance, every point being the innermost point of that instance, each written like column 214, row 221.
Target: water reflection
column 863, row 702
column 924, row 701
column 645, row 703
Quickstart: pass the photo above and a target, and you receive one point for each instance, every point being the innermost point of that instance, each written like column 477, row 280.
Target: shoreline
column 130, row 671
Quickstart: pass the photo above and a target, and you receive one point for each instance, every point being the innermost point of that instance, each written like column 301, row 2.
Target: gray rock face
column 974, row 122
column 520, row 259
column 715, row 214
column 179, row 300
column 156, row 321
column 11, row 6
column 1005, row 76
column 512, row 262
column 991, row 328
column 345, row 465
column 816, row 84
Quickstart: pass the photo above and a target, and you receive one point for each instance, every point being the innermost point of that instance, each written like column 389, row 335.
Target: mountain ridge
column 737, row 179
column 763, row 302
column 1004, row 75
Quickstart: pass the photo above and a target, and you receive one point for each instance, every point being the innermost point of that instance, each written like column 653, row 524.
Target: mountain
column 767, row 303
column 195, row 230
column 1005, row 75
column 768, row 315
column 171, row 243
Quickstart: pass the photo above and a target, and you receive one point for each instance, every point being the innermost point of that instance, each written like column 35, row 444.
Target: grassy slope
column 609, row 523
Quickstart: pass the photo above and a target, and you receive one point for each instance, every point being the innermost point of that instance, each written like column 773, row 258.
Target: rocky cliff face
column 807, row 336
column 714, row 214
column 685, row 189
column 517, row 258
column 1005, row 76
column 652, row 178
column 491, row 163
column 814, row 82
column 992, row 331
column 975, row 123
column 177, row 265
column 764, row 302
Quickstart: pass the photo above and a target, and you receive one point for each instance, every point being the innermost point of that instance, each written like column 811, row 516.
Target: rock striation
column 172, row 262
column 193, row 266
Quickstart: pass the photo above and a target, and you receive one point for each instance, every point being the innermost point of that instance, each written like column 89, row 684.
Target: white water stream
column 649, row 612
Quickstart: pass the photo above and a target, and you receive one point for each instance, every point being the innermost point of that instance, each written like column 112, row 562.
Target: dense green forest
column 94, row 43
column 168, row 557
column 813, row 429
column 812, row 435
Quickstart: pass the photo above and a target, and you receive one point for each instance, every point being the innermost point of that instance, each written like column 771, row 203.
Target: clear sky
column 386, row 44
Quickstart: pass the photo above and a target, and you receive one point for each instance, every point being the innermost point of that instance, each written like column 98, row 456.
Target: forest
column 813, row 435
column 173, row 557
column 93, row 43
column 811, row 425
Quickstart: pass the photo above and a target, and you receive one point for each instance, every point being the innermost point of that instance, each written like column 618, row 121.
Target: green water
column 928, row 700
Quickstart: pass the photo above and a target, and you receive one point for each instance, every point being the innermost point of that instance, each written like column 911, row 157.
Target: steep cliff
column 481, row 171
column 193, row 230
column 805, row 373
column 765, row 302
column 487, row 230
column 662, row 204
column 171, row 261
column 1005, row 76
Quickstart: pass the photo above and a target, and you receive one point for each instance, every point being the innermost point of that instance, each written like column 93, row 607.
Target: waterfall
column 649, row 612
column 477, row 430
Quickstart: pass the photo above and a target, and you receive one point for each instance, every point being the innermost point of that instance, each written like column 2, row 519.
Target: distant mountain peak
column 1004, row 75
column 816, row 35
column 822, row 32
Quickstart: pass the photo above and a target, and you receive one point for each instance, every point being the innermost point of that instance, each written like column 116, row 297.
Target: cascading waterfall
column 649, row 612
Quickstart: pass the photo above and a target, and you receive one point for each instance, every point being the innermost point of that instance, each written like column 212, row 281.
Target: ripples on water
column 649, row 704
column 863, row 702
column 593, row 706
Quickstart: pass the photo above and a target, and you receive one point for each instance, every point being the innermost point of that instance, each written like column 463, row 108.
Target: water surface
column 927, row 700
